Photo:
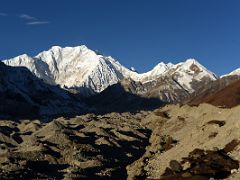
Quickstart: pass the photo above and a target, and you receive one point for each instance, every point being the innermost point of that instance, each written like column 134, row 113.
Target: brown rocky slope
column 228, row 96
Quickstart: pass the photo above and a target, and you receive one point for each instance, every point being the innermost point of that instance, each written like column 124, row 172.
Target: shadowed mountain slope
column 223, row 92
column 22, row 95
column 226, row 97
column 121, row 97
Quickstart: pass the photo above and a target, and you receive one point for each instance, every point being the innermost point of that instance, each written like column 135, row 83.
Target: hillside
column 224, row 92
column 169, row 143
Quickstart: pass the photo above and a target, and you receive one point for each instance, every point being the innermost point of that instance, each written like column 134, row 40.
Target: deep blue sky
column 138, row 33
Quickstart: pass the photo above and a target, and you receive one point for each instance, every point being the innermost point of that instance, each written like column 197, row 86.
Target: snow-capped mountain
column 23, row 94
column 74, row 67
column 189, row 72
column 171, row 83
column 185, row 76
column 233, row 73
column 89, row 72
column 157, row 71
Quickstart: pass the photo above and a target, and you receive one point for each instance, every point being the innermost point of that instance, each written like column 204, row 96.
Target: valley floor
column 169, row 143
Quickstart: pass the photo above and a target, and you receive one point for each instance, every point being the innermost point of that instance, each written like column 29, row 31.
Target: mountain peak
column 133, row 69
column 21, row 60
column 69, row 47
column 89, row 72
column 66, row 55
column 59, row 50
column 163, row 64
column 56, row 47
column 194, row 66
column 160, row 68
column 235, row 72
column 23, row 56
column 192, row 60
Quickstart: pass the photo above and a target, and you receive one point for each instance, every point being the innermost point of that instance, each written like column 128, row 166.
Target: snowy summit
column 89, row 72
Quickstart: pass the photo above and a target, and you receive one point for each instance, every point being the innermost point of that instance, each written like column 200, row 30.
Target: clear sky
column 138, row 33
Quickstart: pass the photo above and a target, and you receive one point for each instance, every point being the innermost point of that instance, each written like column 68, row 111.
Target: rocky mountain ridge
column 86, row 72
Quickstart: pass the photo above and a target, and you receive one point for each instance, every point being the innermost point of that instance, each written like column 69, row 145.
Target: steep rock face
column 22, row 94
column 174, row 83
column 82, row 67
column 166, row 89
column 38, row 68
column 74, row 68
